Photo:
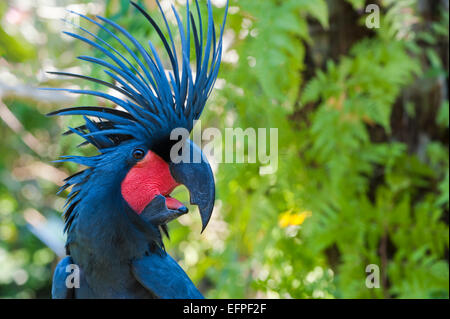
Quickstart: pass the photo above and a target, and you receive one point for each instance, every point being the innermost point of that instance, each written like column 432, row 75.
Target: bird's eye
column 138, row 153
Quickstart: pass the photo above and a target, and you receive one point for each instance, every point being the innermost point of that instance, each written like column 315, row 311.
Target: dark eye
column 138, row 153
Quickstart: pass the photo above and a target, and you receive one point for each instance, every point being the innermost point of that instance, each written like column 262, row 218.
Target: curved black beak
column 192, row 169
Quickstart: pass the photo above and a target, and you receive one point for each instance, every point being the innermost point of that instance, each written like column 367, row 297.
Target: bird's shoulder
column 59, row 285
column 160, row 273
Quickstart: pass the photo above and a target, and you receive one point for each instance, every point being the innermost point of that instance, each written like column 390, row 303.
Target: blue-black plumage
column 120, row 202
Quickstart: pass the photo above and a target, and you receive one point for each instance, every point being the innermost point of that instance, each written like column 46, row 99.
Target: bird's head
column 136, row 160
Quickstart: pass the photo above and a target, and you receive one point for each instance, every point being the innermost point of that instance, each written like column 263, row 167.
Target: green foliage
column 25, row 263
column 15, row 49
column 355, row 185
column 371, row 202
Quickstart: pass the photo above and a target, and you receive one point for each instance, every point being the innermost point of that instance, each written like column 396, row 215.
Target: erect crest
column 154, row 100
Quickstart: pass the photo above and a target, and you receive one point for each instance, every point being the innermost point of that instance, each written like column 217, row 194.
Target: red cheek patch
column 148, row 178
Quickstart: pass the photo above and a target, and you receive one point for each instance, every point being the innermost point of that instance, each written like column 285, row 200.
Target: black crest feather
column 154, row 100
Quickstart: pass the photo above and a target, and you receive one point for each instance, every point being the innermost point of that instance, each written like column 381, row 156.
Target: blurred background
column 363, row 168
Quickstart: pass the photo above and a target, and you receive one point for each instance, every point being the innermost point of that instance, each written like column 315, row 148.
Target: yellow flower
column 289, row 218
column 284, row 219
